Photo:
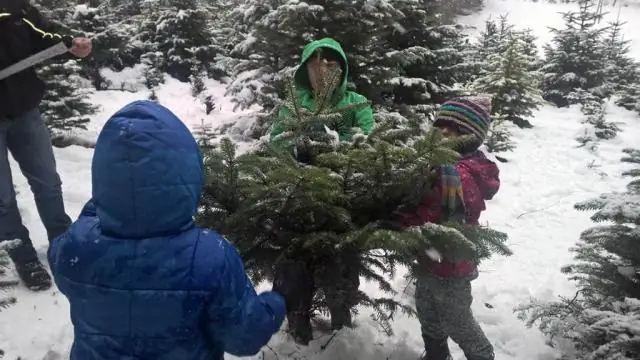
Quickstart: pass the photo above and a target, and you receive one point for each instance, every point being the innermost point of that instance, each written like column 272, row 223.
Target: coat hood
column 147, row 173
column 301, row 76
column 484, row 171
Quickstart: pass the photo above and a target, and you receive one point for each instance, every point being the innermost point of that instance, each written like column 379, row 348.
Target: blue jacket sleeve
column 241, row 320
column 89, row 209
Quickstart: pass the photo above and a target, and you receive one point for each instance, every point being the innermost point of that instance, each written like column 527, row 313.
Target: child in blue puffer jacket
column 142, row 280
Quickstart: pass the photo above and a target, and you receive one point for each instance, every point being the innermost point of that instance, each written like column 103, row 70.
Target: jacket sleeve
column 473, row 197
column 278, row 128
column 242, row 322
column 45, row 33
column 88, row 210
column 364, row 119
column 429, row 210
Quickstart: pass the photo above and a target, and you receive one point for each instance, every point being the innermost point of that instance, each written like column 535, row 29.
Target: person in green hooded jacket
column 317, row 57
column 337, row 276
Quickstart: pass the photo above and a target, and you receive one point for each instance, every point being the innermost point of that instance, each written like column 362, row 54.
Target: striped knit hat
column 471, row 114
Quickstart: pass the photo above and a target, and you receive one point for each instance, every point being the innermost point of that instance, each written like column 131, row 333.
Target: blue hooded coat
column 142, row 280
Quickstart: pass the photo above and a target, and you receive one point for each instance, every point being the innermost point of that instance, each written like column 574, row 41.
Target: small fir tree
column 152, row 63
column 530, row 49
column 110, row 29
column 180, row 30
column 602, row 319
column 506, row 74
column 452, row 8
column 629, row 97
column 65, row 105
column 576, row 57
column 595, row 110
column 58, row 12
column 492, row 37
column 622, row 69
column 205, row 134
column 6, row 285
column 499, row 136
column 196, row 79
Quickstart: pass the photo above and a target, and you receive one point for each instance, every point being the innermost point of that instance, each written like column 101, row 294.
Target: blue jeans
column 27, row 139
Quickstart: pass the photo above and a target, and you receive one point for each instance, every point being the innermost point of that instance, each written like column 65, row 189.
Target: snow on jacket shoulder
column 143, row 282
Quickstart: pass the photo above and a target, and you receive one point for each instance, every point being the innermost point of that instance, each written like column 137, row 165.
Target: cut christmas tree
column 308, row 197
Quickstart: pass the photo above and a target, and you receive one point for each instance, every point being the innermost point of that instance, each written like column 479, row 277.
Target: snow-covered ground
column 173, row 94
column 539, row 15
column 544, row 177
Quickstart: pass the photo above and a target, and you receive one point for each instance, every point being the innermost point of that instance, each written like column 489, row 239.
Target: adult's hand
column 81, row 47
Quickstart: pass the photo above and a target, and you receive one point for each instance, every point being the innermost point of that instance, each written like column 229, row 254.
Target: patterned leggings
column 444, row 310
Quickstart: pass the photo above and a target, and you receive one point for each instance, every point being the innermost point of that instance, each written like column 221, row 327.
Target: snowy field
column 539, row 15
column 543, row 179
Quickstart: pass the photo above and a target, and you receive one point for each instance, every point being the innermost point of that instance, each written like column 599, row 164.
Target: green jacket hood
column 301, row 77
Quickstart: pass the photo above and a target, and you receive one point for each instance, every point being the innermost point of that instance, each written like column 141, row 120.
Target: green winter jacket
column 362, row 118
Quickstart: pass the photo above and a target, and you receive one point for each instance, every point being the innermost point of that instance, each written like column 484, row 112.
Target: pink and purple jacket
column 480, row 182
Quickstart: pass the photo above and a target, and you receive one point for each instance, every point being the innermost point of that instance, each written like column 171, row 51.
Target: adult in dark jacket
column 142, row 280
column 24, row 134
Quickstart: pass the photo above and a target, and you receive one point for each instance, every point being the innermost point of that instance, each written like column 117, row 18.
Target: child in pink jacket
column 443, row 289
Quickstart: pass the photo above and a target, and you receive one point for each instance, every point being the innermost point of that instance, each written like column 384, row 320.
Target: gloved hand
column 389, row 225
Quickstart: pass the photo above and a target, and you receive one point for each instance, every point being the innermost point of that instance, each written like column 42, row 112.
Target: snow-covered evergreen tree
column 6, row 285
column 205, row 134
column 432, row 58
column 152, row 63
column 65, row 105
column 530, row 49
column 110, row 28
column 622, row 69
column 181, row 30
column 629, row 97
column 595, row 110
column 603, row 318
column 491, row 37
column 398, row 51
column 196, row 79
column 499, row 136
column 507, row 73
column 452, row 8
column 576, row 57
column 58, row 12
